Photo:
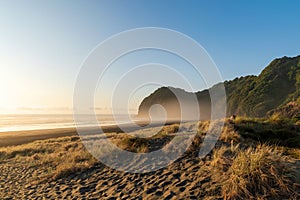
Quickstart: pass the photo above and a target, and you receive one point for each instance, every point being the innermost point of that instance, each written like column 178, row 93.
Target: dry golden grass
column 134, row 144
column 142, row 144
column 253, row 173
column 170, row 129
column 167, row 130
column 229, row 135
column 203, row 127
column 277, row 119
column 58, row 157
column 291, row 152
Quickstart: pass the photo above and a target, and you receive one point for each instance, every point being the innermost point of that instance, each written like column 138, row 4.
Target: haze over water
column 21, row 122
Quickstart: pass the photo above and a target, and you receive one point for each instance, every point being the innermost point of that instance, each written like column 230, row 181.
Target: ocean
column 21, row 122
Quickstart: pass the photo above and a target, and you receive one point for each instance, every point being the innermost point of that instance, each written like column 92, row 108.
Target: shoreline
column 12, row 138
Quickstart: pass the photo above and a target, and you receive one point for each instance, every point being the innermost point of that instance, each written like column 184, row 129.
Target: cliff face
column 253, row 96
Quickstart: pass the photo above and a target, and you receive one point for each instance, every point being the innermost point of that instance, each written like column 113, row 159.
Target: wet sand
column 22, row 137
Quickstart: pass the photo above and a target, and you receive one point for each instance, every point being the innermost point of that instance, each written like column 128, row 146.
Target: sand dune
column 61, row 168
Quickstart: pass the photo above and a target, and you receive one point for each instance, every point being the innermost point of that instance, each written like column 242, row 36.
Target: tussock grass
column 58, row 157
column 277, row 119
column 167, row 130
column 203, row 127
column 23, row 151
column 253, row 173
column 195, row 144
column 134, row 144
column 144, row 144
column 294, row 153
column 229, row 135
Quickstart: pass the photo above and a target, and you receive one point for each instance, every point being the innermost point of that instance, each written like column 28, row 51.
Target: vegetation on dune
column 274, row 130
column 244, row 167
column 144, row 145
column 260, row 172
column 288, row 111
column 253, row 159
column 134, row 144
column 58, row 158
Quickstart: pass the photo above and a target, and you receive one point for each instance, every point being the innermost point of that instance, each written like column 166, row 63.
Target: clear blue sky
column 43, row 43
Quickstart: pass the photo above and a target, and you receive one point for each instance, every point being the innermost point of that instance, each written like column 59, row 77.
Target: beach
column 56, row 165
column 11, row 138
column 180, row 180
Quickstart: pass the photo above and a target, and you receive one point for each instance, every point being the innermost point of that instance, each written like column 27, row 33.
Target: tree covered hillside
column 252, row 96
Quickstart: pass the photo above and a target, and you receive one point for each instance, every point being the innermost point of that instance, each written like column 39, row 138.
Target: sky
column 43, row 44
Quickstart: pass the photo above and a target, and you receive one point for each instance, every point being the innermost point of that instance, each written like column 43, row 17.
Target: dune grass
column 58, row 157
column 143, row 145
column 260, row 172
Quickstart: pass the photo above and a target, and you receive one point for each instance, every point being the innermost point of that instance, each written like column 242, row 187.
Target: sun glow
column 8, row 99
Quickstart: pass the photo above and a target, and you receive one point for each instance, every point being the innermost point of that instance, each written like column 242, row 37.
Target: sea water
column 21, row 122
